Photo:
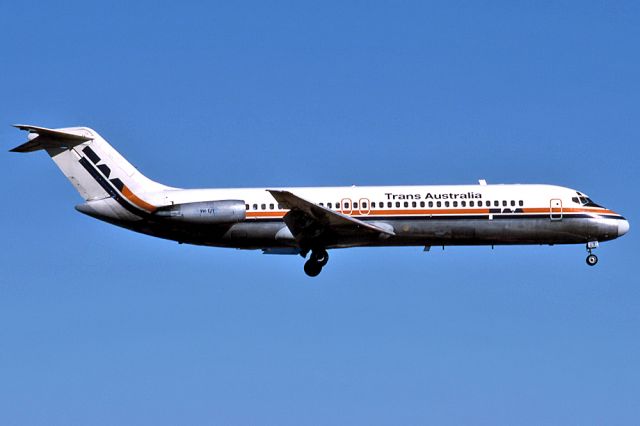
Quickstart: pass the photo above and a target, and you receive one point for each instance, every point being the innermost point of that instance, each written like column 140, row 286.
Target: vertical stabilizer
column 93, row 167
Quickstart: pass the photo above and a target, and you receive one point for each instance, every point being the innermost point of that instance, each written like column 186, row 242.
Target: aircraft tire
column 321, row 257
column 312, row 268
column 592, row 259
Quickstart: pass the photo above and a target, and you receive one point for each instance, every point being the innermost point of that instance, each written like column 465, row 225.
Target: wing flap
column 322, row 216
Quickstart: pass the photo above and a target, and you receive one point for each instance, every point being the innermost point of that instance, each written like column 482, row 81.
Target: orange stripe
column 430, row 212
column 435, row 212
column 266, row 214
column 137, row 201
column 568, row 210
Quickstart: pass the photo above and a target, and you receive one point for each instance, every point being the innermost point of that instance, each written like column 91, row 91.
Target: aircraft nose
column 623, row 227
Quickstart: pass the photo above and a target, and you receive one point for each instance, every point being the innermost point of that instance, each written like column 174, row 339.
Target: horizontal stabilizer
column 43, row 138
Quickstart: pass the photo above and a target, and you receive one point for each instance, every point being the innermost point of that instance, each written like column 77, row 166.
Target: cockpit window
column 589, row 203
column 585, row 201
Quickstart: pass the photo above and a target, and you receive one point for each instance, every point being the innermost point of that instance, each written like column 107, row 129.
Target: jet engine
column 217, row 212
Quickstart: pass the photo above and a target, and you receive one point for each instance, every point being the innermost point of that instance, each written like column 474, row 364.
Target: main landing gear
column 592, row 259
column 317, row 260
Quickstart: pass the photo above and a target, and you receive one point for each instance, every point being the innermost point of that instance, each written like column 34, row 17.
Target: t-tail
column 110, row 185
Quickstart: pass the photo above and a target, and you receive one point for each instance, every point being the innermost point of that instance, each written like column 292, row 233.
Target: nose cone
column 623, row 227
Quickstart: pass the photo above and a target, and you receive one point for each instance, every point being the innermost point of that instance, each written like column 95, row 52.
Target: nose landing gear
column 317, row 260
column 592, row 259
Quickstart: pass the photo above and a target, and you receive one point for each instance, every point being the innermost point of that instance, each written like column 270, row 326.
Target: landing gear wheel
column 321, row 257
column 312, row 268
column 592, row 259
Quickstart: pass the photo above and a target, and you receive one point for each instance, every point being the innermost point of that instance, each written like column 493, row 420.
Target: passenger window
column 414, row 204
column 271, row 206
column 439, row 204
column 321, row 204
column 364, row 205
column 329, row 205
column 263, row 206
column 446, row 204
column 246, row 206
column 389, row 204
column 513, row 203
column 496, row 203
column 406, row 204
column 430, row 203
column 346, row 205
column 255, row 207
column 355, row 205
column 471, row 203
column 397, row 203
column 421, row 203
column 463, row 203
column 520, row 203
column 504, row 203
column 455, row 204
column 279, row 206
column 337, row 205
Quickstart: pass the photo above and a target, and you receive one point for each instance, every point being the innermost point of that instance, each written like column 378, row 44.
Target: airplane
column 310, row 221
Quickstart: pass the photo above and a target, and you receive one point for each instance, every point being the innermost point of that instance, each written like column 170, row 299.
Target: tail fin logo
column 114, row 187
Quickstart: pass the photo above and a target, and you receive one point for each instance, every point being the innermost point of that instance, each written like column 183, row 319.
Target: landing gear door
column 555, row 209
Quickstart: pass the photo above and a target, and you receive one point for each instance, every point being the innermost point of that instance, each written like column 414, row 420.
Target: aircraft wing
column 308, row 221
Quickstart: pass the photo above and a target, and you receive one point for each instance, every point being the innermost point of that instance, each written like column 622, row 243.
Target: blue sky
column 99, row 325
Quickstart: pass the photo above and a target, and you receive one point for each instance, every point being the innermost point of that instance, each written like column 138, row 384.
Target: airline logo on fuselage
column 434, row 196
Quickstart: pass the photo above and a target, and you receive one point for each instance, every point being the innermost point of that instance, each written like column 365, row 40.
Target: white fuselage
column 417, row 215
column 303, row 220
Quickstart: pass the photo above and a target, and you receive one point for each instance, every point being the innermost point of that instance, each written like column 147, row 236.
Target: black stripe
column 543, row 216
column 497, row 216
column 449, row 218
column 117, row 183
column 104, row 169
column 610, row 216
column 110, row 189
column 91, row 154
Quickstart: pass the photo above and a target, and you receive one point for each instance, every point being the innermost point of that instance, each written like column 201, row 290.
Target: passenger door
column 555, row 209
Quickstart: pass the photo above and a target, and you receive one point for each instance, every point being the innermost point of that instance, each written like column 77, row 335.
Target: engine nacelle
column 218, row 212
